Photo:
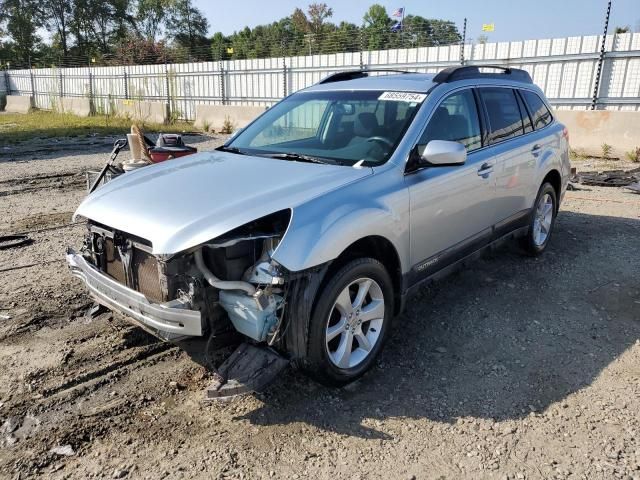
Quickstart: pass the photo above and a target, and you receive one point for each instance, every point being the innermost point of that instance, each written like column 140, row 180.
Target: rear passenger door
column 513, row 150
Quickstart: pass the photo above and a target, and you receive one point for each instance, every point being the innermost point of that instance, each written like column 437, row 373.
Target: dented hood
column 184, row 202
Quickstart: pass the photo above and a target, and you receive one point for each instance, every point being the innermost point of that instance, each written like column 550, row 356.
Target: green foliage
column 16, row 127
column 606, row 150
column 634, row 155
column 227, row 127
column 138, row 32
column 575, row 155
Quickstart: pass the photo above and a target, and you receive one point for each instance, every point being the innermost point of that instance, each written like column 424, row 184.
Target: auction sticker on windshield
column 403, row 96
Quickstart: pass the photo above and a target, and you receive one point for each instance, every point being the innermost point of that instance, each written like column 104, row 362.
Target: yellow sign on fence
column 229, row 50
column 488, row 27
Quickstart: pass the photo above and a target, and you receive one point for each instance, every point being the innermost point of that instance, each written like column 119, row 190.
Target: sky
column 513, row 19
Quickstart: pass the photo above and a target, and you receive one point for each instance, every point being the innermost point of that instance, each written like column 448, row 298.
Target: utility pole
column 594, row 100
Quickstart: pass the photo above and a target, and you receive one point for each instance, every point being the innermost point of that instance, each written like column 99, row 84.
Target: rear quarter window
column 539, row 111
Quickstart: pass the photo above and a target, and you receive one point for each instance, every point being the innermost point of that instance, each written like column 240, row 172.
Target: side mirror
column 441, row 153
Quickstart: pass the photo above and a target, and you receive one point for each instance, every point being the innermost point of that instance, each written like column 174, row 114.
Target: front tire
column 542, row 221
column 350, row 322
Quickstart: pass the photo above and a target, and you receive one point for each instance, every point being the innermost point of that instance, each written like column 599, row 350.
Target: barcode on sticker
column 402, row 96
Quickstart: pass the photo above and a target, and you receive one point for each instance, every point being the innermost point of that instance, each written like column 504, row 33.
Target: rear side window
column 456, row 120
column 504, row 114
column 528, row 126
column 539, row 111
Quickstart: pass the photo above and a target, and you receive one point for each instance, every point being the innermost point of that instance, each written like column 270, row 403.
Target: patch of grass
column 606, row 150
column 16, row 127
column 227, row 125
column 634, row 155
column 575, row 154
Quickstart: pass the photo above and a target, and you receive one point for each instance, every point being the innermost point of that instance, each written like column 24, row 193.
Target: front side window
column 456, row 120
column 541, row 114
column 504, row 114
column 340, row 127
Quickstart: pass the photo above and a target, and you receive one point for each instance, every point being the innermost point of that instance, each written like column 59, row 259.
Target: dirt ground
column 517, row 368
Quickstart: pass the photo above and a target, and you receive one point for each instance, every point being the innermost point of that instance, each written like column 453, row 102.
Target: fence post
column 60, row 84
column 126, row 84
column 91, row 105
column 222, row 89
column 7, row 85
column 464, row 40
column 361, row 49
column 166, row 79
column 596, row 87
column 33, row 84
column 284, row 70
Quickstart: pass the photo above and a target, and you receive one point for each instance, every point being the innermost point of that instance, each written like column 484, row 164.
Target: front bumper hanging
column 171, row 317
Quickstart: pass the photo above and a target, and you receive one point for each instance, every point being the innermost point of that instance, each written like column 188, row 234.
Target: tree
column 377, row 25
column 150, row 17
column 187, row 26
column 300, row 21
column 625, row 29
column 318, row 13
column 23, row 18
column 59, row 14
column 135, row 50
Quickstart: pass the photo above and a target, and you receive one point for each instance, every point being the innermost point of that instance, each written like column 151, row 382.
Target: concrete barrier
column 80, row 106
column 589, row 129
column 153, row 112
column 215, row 115
column 19, row 104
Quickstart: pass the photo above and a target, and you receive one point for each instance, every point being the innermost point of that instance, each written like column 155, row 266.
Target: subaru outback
column 308, row 229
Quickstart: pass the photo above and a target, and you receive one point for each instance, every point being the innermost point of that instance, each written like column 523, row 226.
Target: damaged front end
column 229, row 283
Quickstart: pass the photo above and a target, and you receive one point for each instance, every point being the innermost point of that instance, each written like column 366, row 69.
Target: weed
column 634, row 155
column 606, row 150
column 206, row 126
column 17, row 127
column 575, row 155
column 227, row 127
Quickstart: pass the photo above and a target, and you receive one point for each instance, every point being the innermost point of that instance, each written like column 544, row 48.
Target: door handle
column 485, row 170
column 536, row 148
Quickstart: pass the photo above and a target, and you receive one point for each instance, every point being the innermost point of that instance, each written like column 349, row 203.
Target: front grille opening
column 113, row 262
column 147, row 275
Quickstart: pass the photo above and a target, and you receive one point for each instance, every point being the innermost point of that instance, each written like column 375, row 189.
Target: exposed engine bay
column 232, row 280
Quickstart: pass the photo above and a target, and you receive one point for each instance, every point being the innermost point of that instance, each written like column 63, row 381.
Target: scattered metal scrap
column 609, row 178
column 248, row 369
column 13, row 241
column 634, row 187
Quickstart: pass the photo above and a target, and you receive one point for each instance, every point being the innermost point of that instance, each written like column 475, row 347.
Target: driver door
column 451, row 208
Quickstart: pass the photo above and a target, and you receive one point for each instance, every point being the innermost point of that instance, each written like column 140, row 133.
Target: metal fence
column 565, row 68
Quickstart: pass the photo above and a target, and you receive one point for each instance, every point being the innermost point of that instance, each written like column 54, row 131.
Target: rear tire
column 541, row 221
column 350, row 322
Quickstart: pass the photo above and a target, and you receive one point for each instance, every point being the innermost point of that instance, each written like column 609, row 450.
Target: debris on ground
column 540, row 377
column 65, row 450
column 634, row 187
column 14, row 241
column 608, row 178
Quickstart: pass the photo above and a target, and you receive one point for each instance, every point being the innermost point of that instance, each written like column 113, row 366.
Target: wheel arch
column 378, row 248
column 554, row 178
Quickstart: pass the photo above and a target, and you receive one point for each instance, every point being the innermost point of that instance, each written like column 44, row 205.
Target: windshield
column 338, row 127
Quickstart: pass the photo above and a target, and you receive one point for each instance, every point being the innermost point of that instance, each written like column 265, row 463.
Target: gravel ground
column 516, row 368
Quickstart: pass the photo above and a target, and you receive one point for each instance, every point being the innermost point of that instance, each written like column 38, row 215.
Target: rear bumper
column 167, row 317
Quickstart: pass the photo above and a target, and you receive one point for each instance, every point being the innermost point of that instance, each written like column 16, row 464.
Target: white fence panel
column 565, row 68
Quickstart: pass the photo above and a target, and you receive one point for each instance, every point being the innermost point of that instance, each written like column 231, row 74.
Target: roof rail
column 452, row 74
column 354, row 74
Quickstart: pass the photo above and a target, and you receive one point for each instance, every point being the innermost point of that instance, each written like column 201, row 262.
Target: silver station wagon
column 307, row 231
